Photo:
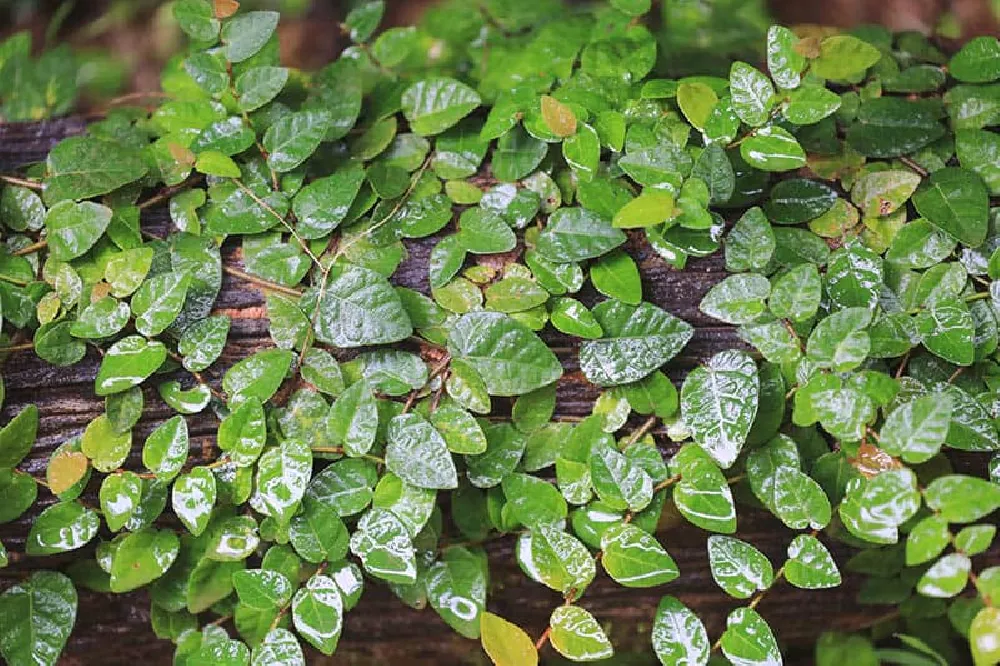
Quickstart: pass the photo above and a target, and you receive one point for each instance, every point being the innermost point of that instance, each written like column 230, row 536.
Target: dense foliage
column 390, row 432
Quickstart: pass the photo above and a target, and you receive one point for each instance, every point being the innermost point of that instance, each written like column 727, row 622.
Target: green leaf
column 650, row 208
column 61, row 528
column 555, row 558
column 280, row 647
column 510, row 358
column 984, row 636
column 979, row 151
column 927, row 540
column 955, row 201
column 784, row 62
column 214, row 163
column 245, row 35
column 257, row 376
column 577, row 636
column 844, row 57
column 102, row 318
column 975, row 539
column 159, row 300
column 638, row 340
column 810, row 565
column 978, row 61
column 293, row 138
column 573, row 318
column 82, row 167
column 738, row 568
column 616, row 276
column 196, row 18
column 166, row 448
column 383, row 544
column 18, row 436
column 750, row 243
column 839, row 341
column 193, row 498
column 798, row 500
column 753, row 94
column 947, row 329
column 318, row 613
column 703, row 496
column 262, row 589
column 282, row 475
column 106, row 448
column 483, row 231
column 259, row 85
column 203, row 341
column 696, row 101
column 533, row 501
column 582, row 152
column 799, row 200
column 323, row 204
column 36, row 618
column 353, row 419
column 346, row 485
column 962, row 499
column 506, row 643
column 748, row 639
column 359, row 307
column 874, row 508
column 772, row 148
column 946, row 578
column 17, row 492
column 119, row 495
column 575, row 234
column 517, row 154
column 737, row 299
column 893, row 126
column 678, row 635
column 916, row 429
column 141, row 558
column 434, row 104
column 73, row 228
column 456, row 589
column 719, row 403
column 810, row 104
column 634, row 558
column 417, row 453
column 243, row 432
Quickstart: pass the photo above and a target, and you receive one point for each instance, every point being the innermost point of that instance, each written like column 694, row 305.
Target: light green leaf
column 753, row 94
column 575, row 234
column 678, row 635
column 737, row 299
column 383, row 544
column 634, row 558
column 738, row 567
column 141, row 558
column 844, row 57
column 719, row 403
column 772, row 148
column 193, row 498
column 282, row 475
column 60, row 528
column 810, row 565
column 577, row 636
column 418, row 455
column 748, row 639
column 916, row 429
column 293, row 138
column 434, row 104
column 318, row 613
column 360, row 307
column 246, row 34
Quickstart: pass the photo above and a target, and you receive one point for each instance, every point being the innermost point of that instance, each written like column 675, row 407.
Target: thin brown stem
column 31, row 249
column 641, row 431
column 26, row 346
column 261, row 282
column 168, row 192
column 23, row 182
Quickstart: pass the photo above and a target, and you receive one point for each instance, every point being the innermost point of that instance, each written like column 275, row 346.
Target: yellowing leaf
column 65, row 470
column 506, row 643
column 558, row 116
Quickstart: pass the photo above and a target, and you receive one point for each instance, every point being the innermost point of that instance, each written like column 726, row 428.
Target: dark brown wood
column 115, row 630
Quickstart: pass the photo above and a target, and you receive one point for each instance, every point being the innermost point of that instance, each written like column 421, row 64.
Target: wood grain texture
column 115, row 629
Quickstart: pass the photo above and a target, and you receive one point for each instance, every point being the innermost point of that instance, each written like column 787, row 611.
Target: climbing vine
column 844, row 181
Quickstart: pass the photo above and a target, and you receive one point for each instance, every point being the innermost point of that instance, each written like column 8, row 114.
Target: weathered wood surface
column 115, row 630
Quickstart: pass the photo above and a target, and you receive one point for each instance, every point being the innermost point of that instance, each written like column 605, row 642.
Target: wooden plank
column 115, row 629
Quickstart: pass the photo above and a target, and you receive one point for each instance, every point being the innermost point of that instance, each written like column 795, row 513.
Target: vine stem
column 261, row 282
column 26, row 346
column 31, row 249
column 23, row 182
